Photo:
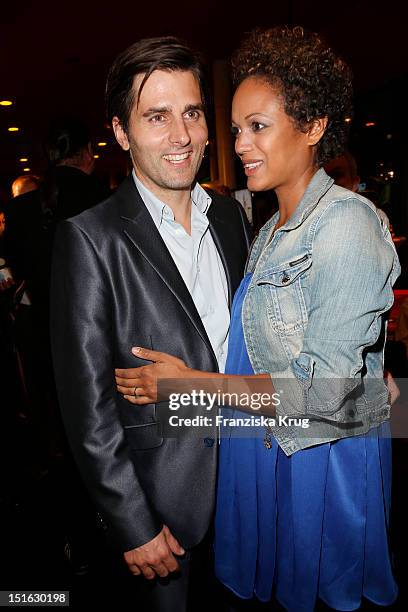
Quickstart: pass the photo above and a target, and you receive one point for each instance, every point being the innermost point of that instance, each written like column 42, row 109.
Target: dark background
column 55, row 56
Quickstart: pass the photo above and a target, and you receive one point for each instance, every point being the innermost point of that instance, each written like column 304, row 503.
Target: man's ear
column 317, row 128
column 120, row 134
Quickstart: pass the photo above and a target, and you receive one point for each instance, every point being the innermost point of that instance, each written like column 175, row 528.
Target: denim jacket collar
column 315, row 190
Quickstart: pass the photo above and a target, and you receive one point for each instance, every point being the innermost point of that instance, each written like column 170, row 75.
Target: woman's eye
column 256, row 126
column 234, row 131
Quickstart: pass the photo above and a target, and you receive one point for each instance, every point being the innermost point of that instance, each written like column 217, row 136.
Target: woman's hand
column 139, row 385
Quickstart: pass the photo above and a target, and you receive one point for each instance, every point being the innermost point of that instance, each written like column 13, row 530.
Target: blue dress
column 313, row 525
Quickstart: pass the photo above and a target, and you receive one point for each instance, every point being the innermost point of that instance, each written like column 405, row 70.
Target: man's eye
column 256, row 126
column 157, row 118
column 234, row 131
column 193, row 114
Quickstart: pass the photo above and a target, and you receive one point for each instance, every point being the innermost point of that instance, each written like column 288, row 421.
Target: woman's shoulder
column 343, row 206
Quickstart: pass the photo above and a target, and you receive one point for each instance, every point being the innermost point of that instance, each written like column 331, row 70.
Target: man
column 156, row 264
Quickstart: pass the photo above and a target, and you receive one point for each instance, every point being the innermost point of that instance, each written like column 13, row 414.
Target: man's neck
column 178, row 200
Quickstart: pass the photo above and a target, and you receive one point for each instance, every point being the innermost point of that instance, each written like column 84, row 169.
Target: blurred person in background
column 24, row 184
column 343, row 170
column 68, row 188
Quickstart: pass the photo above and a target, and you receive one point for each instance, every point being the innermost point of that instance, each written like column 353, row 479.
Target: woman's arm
column 168, row 374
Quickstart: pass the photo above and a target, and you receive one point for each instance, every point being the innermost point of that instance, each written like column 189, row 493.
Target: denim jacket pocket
column 284, row 294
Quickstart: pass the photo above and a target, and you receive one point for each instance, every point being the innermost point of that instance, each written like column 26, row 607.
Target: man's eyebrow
column 153, row 110
column 157, row 110
column 198, row 106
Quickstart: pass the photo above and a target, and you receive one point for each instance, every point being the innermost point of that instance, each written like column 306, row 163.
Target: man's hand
column 139, row 385
column 155, row 557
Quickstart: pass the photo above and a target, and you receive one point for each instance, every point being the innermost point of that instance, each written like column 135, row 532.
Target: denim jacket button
column 285, row 278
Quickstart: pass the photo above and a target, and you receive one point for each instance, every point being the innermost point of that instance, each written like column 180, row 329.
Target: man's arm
column 82, row 354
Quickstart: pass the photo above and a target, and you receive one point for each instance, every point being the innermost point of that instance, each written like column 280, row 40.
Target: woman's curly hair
column 313, row 81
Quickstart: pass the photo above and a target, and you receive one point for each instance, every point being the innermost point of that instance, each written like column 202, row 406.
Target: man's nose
column 179, row 133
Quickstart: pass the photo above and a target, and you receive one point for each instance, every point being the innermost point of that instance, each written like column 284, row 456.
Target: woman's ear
column 317, row 128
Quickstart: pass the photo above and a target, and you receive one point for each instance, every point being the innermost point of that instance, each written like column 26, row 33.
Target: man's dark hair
column 65, row 138
column 144, row 57
column 313, row 81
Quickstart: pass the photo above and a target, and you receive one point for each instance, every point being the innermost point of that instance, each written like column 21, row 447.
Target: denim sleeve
column 354, row 267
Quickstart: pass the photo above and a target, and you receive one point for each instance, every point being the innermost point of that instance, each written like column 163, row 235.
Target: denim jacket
column 313, row 314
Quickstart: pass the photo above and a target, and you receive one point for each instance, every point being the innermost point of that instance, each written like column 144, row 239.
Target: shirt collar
column 158, row 209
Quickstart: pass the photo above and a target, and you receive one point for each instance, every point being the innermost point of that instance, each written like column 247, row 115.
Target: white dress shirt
column 198, row 262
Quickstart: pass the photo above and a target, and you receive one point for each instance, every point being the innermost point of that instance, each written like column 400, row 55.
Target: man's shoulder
column 103, row 213
column 109, row 210
column 23, row 202
column 24, row 210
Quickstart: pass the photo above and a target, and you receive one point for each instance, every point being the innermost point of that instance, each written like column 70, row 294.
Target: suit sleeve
column 82, row 349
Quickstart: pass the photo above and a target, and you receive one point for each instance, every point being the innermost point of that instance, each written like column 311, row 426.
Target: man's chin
column 179, row 182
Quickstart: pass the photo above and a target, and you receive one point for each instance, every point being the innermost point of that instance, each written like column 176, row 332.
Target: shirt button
column 209, row 442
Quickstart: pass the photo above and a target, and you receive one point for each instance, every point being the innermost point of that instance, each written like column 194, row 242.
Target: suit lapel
column 142, row 232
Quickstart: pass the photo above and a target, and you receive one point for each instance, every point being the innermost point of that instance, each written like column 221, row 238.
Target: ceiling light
column 26, row 169
column 96, row 156
column 13, row 129
column 370, row 123
column 23, row 159
column 5, row 103
column 102, row 144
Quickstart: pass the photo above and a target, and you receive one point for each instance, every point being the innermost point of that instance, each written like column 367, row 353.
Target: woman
column 302, row 513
